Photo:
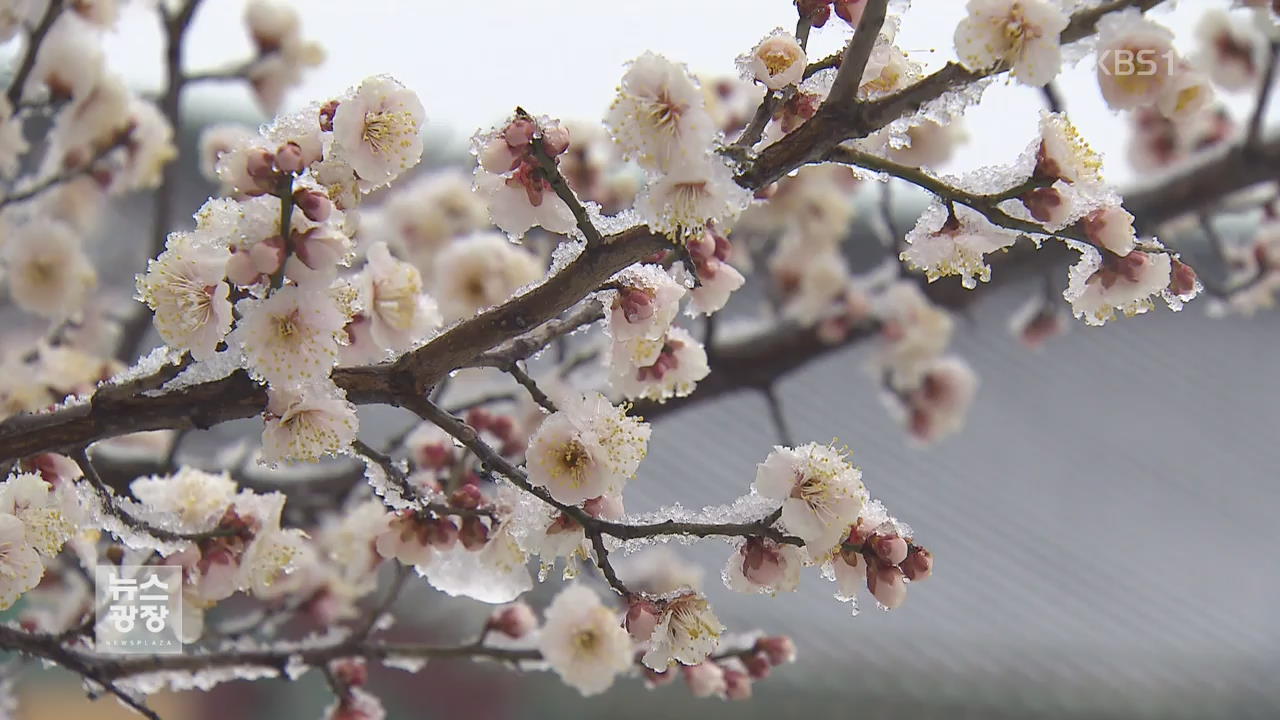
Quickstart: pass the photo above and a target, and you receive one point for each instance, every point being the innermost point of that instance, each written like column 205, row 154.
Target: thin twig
column 34, row 41
column 1256, row 121
column 551, row 170
column 777, row 416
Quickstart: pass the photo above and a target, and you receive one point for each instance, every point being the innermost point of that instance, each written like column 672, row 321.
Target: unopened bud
column 502, row 426
column 555, row 139
column 758, row 665
column 1183, row 280
column 891, row 549
column 886, row 584
column 261, row 166
column 737, row 685
column 434, row 456
column 313, row 203
column 478, row 418
column 351, row 672
column 515, row 620
column 608, row 507
column 442, row 533
column 467, row 497
column 289, row 158
column 642, row 618
column 918, row 565
column 705, row 679
column 636, row 304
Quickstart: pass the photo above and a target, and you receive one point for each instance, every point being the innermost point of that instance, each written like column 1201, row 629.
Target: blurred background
column 1103, row 526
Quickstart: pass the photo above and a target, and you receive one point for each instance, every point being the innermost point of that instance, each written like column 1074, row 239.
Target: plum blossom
column 695, row 190
column 1135, row 59
column 659, row 115
column 407, row 538
column 1098, row 285
column 914, row 330
column 583, row 642
column 186, row 288
column 420, row 218
column 821, row 492
column 512, row 180
column 670, row 366
column 391, row 296
column 291, row 337
column 480, row 271
column 47, row 524
column 20, row 566
column 307, row 422
column 687, row 632
column 717, row 279
column 586, row 449
column 954, row 242
column 645, row 304
column 1231, row 49
column 48, row 272
column 1111, row 227
column 706, row 679
column 937, row 407
column 777, row 61
column 377, row 131
column 197, row 499
column 1022, row 34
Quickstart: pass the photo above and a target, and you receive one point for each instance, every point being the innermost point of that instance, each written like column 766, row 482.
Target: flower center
column 384, row 130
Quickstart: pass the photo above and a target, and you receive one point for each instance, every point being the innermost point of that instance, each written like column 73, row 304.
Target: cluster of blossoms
column 257, row 283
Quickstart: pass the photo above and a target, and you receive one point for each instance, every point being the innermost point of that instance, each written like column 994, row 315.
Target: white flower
column 583, row 641
column 811, row 276
column 479, row 272
column 659, row 115
column 47, row 526
column 943, row 244
column 687, row 632
column 48, row 272
column 586, row 449
column 291, row 337
column 777, row 61
column 186, row 288
column 70, row 60
column 1022, row 34
column 939, row 405
column 377, row 131
column 1135, row 59
column 218, row 140
column 20, row 566
column 391, row 296
column 929, row 143
column 405, row 539
column 1111, row 227
column 646, row 304
column 1231, row 49
column 764, row 566
column 658, row 369
column 1098, row 286
column 198, row 499
column 915, row 332
column 1063, row 153
column 521, row 200
column 1187, row 94
column 307, row 423
column 821, row 492
column 12, row 15
column 150, row 148
column 696, row 190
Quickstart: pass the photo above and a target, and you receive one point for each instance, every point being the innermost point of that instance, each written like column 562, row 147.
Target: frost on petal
column 821, row 493
column 659, row 115
column 943, row 244
column 307, row 423
column 377, row 131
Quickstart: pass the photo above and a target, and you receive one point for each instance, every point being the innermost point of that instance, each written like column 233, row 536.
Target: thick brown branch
column 854, row 63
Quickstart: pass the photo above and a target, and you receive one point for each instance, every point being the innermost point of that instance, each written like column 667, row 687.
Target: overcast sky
column 472, row 61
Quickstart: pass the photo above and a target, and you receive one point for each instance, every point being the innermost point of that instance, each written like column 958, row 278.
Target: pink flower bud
column 261, row 166
column 758, row 665
column 779, row 649
column 314, row 204
column 240, row 269
column 1183, row 279
column 555, row 140
column 478, row 418
column 474, row 533
column 515, row 620
column 1044, row 204
column 891, row 549
column 267, row 255
column 918, row 565
column 467, row 497
column 519, row 132
column 442, row 533
column 850, row 10
column 502, row 426
column 702, row 247
column 608, row 507
column 497, row 157
column 705, row 679
column 642, row 618
column 886, row 583
column 434, row 456
column 289, row 158
column 737, row 685
column 352, row 672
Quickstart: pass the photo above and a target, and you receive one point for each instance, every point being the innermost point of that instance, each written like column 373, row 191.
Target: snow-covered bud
column 918, row 565
column 642, row 618
column 474, row 533
column 636, row 304
column 261, row 166
column 555, row 139
column 705, row 679
column 313, row 203
column 519, row 132
column 887, row 585
column 498, row 157
column 1110, row 227
column 779, row 649
column 1046, row 205
column 1182, row 279
column 442, row 533
column 515, row 620
column 737, row 685
column 891, row 549
column 289, row 158
column 608, row 507
column 762, row 562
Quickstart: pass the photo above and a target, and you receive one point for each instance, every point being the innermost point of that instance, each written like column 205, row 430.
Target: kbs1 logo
column 1135, row 63
column 138, row 609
